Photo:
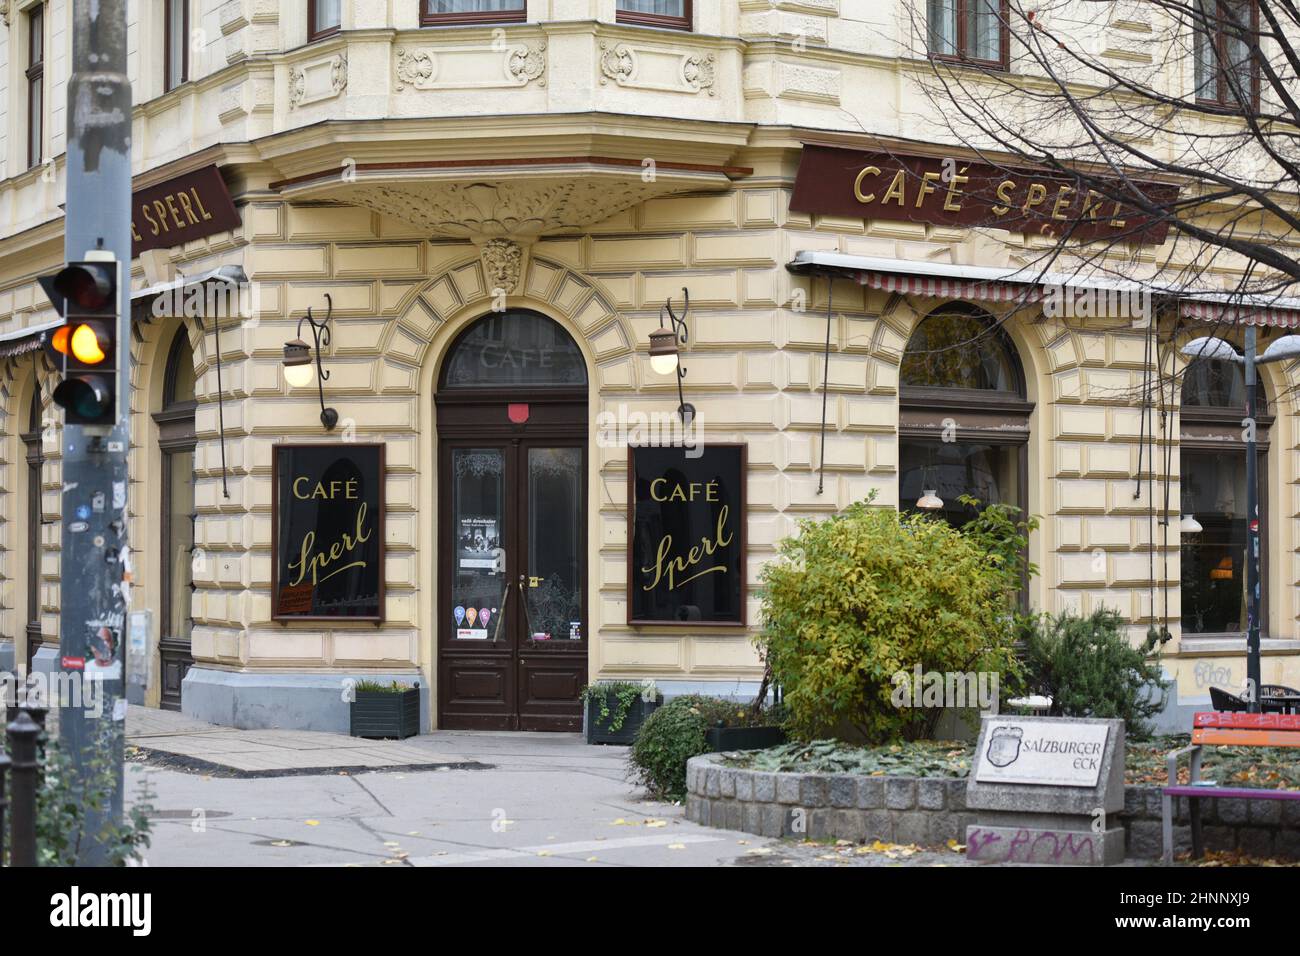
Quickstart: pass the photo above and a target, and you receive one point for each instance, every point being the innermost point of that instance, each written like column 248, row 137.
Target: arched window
column 176, row 443
column 519, row 349
column 1212, row 466
column 32, row 447
column 963, row 415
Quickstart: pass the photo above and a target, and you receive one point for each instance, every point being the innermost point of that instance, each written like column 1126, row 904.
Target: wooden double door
column 512, row 595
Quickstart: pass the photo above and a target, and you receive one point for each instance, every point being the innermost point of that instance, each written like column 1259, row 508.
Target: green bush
column 1089, row 668
column 672, row 735
column 624, row 694
column 857, row 598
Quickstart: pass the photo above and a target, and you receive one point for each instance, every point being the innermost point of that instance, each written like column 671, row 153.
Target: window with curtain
column 324, row 17
column 176, row 29
column 675, row 14
column 473, row 11
column 1212, row 469
column 1227, row 74
column 967, row 30
column 35, row 84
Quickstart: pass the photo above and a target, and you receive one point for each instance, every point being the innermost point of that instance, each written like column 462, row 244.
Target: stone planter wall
column 929, row 811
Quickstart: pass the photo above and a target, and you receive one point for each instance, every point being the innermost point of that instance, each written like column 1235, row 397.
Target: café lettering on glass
column 685, row 530
column 328, row 532
column 956, row 192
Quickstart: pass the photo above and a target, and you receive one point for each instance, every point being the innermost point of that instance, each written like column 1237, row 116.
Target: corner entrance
column 512, row 466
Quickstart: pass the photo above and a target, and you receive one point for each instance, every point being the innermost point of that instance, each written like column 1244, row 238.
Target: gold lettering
column 857, row 183
column 161, row 209
column 135, row 233
column 199, row 202
column 1062, row 201
column 1003, row 187
column 148, row 215
column 314, row 564
column 926, row 188
column 1115, row 220
column 171, row 207
column 184, row 200
column 1037, row 193
column 668, row 568
column 953, row 192
column 897, row 189
column 1091, row 203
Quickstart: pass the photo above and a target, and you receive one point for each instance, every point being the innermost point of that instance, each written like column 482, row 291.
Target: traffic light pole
column 94, row 560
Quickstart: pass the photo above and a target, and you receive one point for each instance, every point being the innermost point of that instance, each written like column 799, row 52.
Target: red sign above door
column 518, row 412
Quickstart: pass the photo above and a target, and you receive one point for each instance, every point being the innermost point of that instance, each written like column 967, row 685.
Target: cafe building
column 497, row 351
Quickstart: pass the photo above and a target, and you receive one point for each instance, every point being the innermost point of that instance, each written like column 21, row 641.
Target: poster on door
column 328, row 532
column 686, row 535
column 478, row 545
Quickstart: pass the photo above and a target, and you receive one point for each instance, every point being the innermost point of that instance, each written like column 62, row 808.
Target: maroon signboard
column 953, row 192
column 180, row 210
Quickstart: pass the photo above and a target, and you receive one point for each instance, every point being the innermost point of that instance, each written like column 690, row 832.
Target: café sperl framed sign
column 686, row 535
column 958, row 192
column 328, row 532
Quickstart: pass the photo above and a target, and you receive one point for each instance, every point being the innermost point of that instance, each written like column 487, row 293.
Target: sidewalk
column 175, row 740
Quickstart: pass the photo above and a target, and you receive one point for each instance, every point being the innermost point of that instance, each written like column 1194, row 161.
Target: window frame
column 428, row 19
column 1003, row 62
column 314, row 32
column 35, row 74
column 1217, row 428
column 1223, row 101
column 184, row 77
column 685, row 22
column 34, row 458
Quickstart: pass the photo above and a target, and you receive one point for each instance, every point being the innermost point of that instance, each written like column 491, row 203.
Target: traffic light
column 86, row 295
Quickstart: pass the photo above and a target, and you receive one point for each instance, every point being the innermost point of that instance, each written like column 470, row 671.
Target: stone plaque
column 1046, row 751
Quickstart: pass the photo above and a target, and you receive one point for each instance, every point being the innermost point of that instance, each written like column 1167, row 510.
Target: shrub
column 1089, row 668
column 624, row 693
column 857, row 598
column 672, row 735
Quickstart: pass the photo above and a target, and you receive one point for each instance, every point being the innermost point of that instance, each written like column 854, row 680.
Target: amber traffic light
column 86, row 293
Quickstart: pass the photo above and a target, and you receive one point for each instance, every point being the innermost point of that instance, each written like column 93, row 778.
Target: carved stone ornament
column 698, row 72
column 414, row 67
column 297, row 87
column 502, row 263
column 339, row 73
column 528, row 63
column 618, row 63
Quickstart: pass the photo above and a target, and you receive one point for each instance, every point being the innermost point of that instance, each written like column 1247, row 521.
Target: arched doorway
column 175, row 422
column 511, row 610
column 1212, row 466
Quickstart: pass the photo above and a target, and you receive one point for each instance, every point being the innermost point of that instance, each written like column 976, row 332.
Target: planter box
column 744, row 738
column 379, row 715
column 599, row 733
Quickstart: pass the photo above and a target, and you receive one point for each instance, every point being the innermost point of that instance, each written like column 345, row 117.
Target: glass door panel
column 554, row 581
column 479, row 580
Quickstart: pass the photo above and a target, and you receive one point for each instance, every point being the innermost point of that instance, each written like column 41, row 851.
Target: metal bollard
column 23, row 733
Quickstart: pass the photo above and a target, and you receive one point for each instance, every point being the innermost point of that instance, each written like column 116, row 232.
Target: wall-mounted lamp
column 298, row 370
column 665, row 354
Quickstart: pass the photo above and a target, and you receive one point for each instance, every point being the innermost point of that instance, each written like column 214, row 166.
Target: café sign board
column 1049, row 752
column 180, row 210
column 328, row 532
column 956, row 192
column 686, row 535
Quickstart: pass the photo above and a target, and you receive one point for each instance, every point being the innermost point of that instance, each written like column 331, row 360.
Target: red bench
column 1223, row 729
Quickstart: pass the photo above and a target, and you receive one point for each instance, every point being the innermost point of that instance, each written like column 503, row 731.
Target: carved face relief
column 502, row 262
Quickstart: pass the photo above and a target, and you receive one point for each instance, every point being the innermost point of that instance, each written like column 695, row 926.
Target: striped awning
column 1025, row 286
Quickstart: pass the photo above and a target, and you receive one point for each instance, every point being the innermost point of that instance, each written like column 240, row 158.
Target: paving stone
column 912, row 826
column 931, row 794
column 765, row 787
column 727, row 782
column 1145, row 840
column 900, row 793
column 787, row 787
column 1222, row 839
column 870, row 793
column 1255, row 841
column 879, row 825
column 744, row 785
column 843, row 791
column 712, row 783
column 1233, row 811
column 1266, row 812
column 773, row 820
column 849, row 825
column 813, row 791
column 957, row 794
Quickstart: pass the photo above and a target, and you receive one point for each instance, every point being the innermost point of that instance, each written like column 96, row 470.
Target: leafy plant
column 624, row 694
column 375, row 687
column 672, row 735
column 857, row 598
column 67, row 803
column 921, row 758
column 1089, row 668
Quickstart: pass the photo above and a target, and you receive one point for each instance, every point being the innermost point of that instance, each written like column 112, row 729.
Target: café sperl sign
column 180, row 210
column 328, row 532
column 953, row 192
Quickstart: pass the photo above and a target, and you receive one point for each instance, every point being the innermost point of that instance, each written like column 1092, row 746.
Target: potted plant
column 616, row 709
column 385, row 710
column 755, row 727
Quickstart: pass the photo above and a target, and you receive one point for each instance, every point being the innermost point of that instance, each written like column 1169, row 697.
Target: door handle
column 505, row 596
column 534, row 582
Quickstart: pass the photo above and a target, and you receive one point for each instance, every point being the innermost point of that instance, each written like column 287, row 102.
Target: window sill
column 1195, row 645
column 650, row 20
column 1000, row 66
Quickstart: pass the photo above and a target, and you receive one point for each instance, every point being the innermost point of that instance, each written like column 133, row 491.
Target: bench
column 1224, row 729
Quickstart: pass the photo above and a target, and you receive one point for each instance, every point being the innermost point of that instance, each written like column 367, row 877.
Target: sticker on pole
column 73, row 663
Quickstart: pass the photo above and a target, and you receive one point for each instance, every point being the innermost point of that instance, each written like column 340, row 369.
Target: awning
column 184, row 290
column 24, row 341
column 1025, row 286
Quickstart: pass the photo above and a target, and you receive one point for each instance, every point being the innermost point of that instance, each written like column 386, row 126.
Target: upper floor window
column 675, row 14
column 324, row 17
column 176, row 29
column 1227, row 74
column 35, row 84
column 443, row 12
column 972, row 31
